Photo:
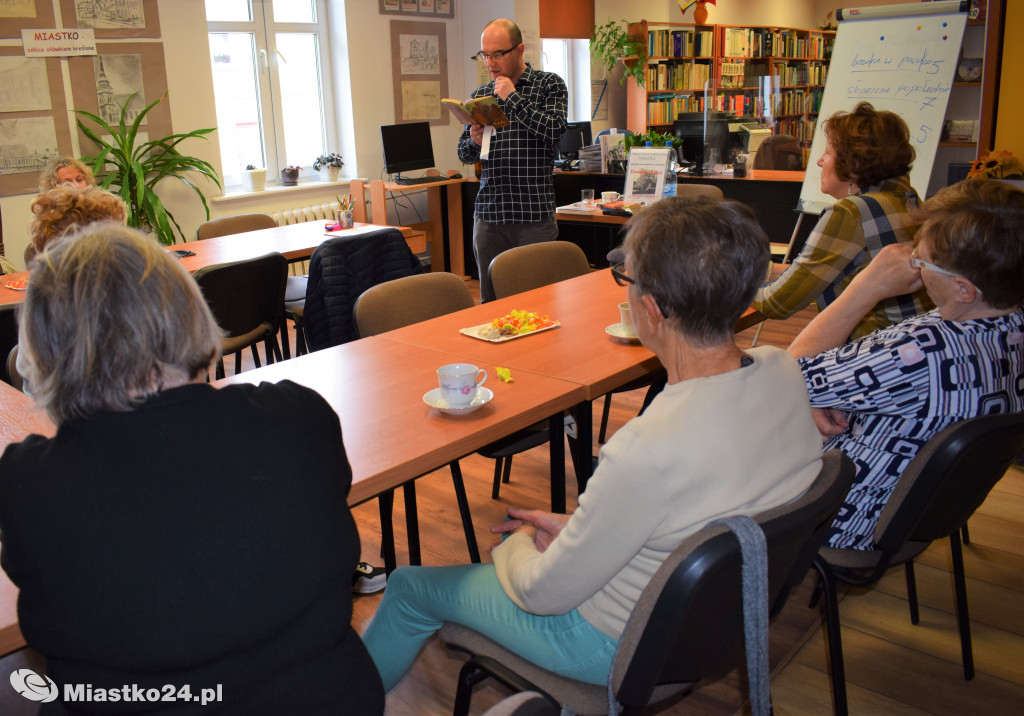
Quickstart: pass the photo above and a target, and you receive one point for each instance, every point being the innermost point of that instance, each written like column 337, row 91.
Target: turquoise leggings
column 419, row 600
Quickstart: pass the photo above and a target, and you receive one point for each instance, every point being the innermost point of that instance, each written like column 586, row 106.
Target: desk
column 19, row 418
column 440, row 232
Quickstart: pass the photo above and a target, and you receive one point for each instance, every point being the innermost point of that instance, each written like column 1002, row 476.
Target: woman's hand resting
column 542, row 527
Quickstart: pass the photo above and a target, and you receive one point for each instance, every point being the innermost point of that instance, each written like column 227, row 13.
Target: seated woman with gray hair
column 163, row 536
column 561, row 587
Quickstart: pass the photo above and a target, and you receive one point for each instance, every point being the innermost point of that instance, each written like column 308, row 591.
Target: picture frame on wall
column 419, row 62
column 125, row 66
column 33, row 120
column 21, row 15
column 125, row 18
column 422, row 8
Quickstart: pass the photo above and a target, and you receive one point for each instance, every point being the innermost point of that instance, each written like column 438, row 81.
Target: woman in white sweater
column 562, row 586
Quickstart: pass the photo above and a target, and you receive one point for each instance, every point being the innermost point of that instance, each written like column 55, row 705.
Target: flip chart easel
column 901, row 58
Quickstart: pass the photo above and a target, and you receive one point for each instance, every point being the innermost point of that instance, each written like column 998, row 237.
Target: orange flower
column 997, row 164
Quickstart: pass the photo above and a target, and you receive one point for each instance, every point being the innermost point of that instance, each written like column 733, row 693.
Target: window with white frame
column 272, row 84
column 570, row 60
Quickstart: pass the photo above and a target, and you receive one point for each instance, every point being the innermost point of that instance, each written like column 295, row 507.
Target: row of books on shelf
column 680, row 43
column 742, row 105
column 797, row 101
column 737, row 74
column 762, row 42
column 664, row 109
column 800, row 74
column 677, row 75
column 802, row 129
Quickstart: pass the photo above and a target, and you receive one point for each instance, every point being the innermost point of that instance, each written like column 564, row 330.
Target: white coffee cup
column 626, row 319
column 459, row 381
column 608, row 197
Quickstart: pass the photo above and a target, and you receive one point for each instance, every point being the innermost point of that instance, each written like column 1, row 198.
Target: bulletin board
column 419, row 67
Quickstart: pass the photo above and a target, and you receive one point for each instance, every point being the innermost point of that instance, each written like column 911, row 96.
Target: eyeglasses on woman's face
column 623, row 279
column 921, row 263
column 496, row 55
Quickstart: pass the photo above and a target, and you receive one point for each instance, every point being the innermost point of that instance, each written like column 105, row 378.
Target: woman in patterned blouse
column 882, row 397
column 865, row 168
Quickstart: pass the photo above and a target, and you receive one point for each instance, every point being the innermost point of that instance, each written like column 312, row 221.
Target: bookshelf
column 775, row 74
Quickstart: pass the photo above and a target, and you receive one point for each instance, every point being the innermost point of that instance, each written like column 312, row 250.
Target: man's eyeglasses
column 921, row 263
column 496, row 55
column 621, row 278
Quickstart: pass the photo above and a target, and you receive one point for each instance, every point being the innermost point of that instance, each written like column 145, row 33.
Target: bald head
column 503, row 37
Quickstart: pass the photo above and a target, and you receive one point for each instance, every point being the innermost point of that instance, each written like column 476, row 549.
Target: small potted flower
column 328, row 166
column 290, row 175
column 253, row 179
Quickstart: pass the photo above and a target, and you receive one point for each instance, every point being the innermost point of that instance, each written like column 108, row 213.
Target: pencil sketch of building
column 26, row 144
column 420, row 55
column 23, row 84
column 115, row 14
column 118, row 77
column 17, row 8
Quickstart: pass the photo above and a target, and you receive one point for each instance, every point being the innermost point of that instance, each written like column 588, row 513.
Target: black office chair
column 687, row 625
column 938, row 491
column 247, row 299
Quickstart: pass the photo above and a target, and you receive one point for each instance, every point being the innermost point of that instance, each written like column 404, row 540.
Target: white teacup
column 608, row 197
column 459, row 381
column 626, row 319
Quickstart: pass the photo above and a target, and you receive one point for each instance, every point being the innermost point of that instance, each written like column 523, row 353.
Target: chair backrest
column 948, row 480
column 408, row 300
column 15, row 378
column 340, row 270
column 688, row 623
column 685, row 188
column 779, row 151
column 244, row 295
column 8, row 333
column 235, row 225
column 527, row 267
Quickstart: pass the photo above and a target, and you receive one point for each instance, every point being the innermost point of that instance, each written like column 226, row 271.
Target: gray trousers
column 489, row 240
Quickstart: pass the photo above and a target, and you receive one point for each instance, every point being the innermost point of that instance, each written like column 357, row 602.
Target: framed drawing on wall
column 423, row 8
column 419, row 67
column 33, row 119
column 102, row 84
column 18, row 15
column 124, row 18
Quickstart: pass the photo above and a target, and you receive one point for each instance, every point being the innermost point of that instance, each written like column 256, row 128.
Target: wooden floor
column 892, row 666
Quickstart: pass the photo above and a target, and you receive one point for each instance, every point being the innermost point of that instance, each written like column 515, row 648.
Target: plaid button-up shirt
column 516, row 186
column 847, row 236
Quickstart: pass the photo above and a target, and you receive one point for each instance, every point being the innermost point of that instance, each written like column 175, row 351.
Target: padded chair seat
column 866, row 560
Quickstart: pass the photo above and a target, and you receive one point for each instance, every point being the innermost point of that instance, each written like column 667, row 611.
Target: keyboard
column 419, row 180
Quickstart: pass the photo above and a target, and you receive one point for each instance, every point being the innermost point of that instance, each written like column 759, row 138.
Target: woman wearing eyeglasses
column 881, row 398
column 562, row 587
column 865, row 168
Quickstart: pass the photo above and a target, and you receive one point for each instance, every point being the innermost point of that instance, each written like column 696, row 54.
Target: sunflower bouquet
column 997, row 164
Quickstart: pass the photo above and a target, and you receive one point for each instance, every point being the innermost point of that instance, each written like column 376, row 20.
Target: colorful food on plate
column 518, row 322
column 17, row 284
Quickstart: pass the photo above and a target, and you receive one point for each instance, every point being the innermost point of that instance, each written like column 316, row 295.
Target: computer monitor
column 577, row 136
column 698, row 130
column 407, row 147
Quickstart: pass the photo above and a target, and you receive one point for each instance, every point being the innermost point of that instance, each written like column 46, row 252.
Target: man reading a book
column 516, row 202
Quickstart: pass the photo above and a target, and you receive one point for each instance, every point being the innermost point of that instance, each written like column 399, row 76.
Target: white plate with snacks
column 481, row 398
column 617, row 330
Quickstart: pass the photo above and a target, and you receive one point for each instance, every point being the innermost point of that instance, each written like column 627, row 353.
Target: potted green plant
column 132, row 170
column 290, row 175
column 253, row 179
column 612, row 42
column 328, row 166
column 656, row 138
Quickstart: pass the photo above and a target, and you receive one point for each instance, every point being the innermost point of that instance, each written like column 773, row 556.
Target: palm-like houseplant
column 132, row 171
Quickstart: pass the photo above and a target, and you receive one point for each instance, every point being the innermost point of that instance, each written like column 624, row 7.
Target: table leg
column 584, row 413
column 438, row 235
column 412, row 523
column 456, row 254
column 556, row 445
column 386, row 502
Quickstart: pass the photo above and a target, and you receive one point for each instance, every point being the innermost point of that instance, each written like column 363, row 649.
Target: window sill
column 235, row 193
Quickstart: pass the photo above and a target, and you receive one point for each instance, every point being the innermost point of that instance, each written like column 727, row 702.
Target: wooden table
column 441, row 233
column 19, row 418
column 296, row 242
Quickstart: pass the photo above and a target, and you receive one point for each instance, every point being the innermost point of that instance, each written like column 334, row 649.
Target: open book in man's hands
column 482, row 110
